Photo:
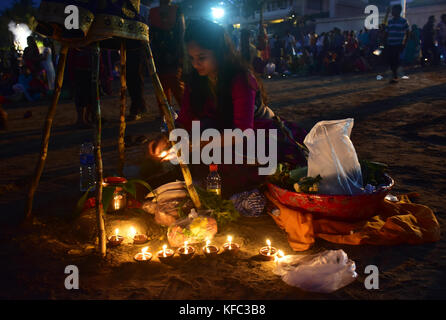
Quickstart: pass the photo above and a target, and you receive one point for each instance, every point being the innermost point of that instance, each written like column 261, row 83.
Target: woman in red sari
column 222, row 92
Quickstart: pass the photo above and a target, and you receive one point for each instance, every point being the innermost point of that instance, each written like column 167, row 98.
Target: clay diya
column 209, row 250
column 165, row 255
column 143, row 256
column 116, row 239
column 231, row 247
column 137, row 238
column 186, row 252
column 268, row 253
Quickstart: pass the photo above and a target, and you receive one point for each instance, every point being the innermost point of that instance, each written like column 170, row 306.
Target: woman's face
column 202, row 60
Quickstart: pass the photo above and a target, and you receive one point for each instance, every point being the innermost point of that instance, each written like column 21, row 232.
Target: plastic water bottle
column 213, row 180
column 87, row 167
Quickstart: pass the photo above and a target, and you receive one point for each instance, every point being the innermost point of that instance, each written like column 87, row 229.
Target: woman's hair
column 245, row 45
column 211, row 36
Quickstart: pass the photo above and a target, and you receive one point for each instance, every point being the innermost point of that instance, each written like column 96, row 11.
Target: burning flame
column 164, row 250
column 268, row 243
column 144, row 253
column 116, row 202
column 168, row 155
column 116, row 233
column 230, row 242
column 185, row 247
column 208, row 242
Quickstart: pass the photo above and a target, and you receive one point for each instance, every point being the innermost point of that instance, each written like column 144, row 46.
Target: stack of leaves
column 295, row 179
column 223, row 211
column 373, row 172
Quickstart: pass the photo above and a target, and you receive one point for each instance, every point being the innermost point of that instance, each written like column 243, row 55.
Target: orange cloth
column 395, row 223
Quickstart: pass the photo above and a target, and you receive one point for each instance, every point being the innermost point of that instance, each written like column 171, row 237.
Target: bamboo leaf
column 107, row 196
column 144, row 184
column 130, row 188
column 81, row 203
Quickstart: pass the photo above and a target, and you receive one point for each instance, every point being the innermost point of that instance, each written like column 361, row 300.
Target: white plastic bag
column 324, row 272
column 333, row 156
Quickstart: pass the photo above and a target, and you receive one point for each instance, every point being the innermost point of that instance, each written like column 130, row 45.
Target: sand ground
column 402, row 125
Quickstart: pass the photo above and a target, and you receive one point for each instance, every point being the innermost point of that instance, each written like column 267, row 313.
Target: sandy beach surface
column 403, row 125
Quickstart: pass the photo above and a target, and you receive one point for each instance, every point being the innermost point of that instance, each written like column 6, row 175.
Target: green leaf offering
column 223, row 211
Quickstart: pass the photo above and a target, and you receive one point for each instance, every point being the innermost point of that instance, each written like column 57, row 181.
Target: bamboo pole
column 99, row 172
column 170, row 124
column 123, row 74
column 46, row 133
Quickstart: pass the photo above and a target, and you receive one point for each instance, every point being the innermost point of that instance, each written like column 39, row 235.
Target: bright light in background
column 20, row 31
column 218, row 13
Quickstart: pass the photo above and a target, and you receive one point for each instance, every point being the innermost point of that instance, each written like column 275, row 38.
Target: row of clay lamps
column 116, row 239
column 186, row 252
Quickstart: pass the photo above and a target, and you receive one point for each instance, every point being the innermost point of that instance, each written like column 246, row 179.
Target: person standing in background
column 441, row 37
column 396, row 35
column 411, row 53
column 136, row 66
column 47, row 63
column 167, row 27
column 428, row 42
column 32, row 57
column 136, row 69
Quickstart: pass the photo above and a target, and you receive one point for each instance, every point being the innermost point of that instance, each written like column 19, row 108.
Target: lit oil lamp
column 231, row 247
column 165, row 255
column 119, row 200
column 143, row 256
column 116, row 239
column 137, row 238
column 186, row 252
column 268, row 252
column 210, row 250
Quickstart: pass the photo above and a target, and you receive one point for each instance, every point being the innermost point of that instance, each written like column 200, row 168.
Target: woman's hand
column 157, row 146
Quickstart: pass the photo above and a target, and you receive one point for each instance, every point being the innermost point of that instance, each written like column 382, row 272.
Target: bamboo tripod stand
column 98, row 133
